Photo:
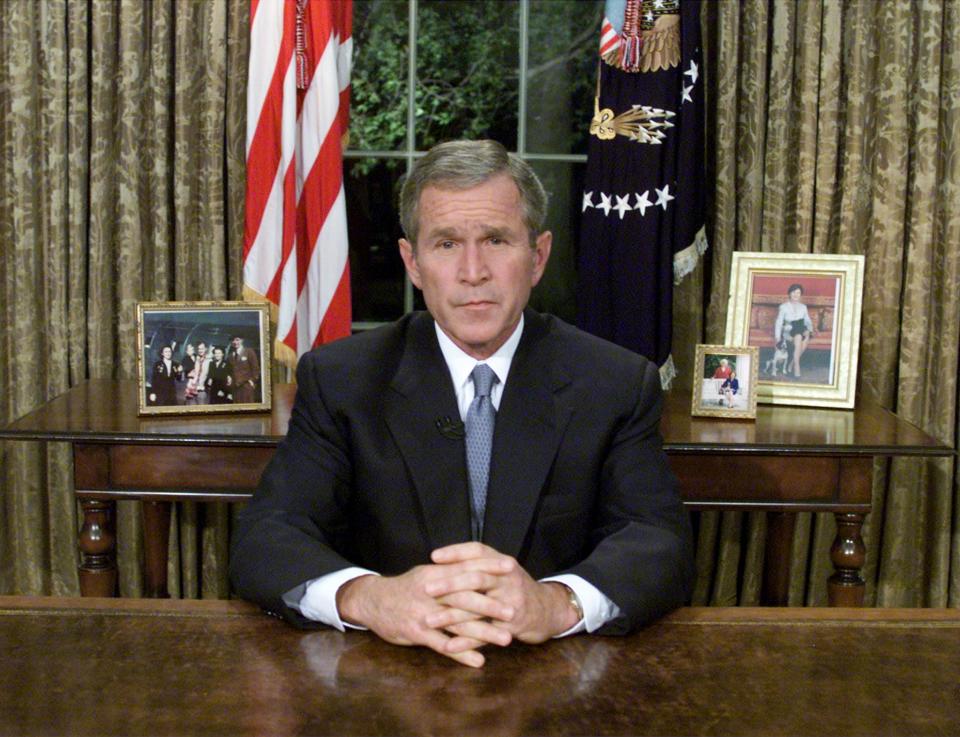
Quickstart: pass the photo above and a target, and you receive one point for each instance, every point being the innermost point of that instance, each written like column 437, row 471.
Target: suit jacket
column 244, row 365
column 578, row 482
column 219, row 383
column 162, row 383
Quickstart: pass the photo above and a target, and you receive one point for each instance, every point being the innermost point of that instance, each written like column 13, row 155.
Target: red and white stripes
column 295, row 241
column 609, row 38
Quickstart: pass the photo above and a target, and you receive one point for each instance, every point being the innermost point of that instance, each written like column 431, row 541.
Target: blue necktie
column 481, row 417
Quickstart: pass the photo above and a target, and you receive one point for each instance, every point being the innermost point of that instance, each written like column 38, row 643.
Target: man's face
column 237, row 343
column 218, row 354
column 202, row 350
column 474, row 262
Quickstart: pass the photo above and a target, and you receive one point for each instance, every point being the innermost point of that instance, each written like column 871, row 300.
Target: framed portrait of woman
column 802, row 313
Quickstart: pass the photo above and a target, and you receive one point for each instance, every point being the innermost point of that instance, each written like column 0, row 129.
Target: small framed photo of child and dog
column 802, row 311
column 203, row 357
column 725, row 382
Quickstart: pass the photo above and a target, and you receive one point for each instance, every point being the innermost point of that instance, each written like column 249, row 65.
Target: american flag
column 295, row 236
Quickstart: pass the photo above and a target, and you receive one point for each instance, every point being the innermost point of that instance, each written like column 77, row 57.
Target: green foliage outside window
column 467, row 69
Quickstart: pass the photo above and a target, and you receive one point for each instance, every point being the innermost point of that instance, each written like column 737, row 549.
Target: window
column 522, row 72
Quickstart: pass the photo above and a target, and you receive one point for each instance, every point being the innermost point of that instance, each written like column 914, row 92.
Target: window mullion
column 522, row 71
column 411, row 146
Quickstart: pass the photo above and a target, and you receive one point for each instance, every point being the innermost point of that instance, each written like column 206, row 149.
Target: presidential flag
column 643, row 203
column 295, row 251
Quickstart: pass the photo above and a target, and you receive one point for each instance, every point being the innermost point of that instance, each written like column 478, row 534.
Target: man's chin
column 474, row 339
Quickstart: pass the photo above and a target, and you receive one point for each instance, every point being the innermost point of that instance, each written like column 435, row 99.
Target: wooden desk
column 791, row 459
column 140, row 667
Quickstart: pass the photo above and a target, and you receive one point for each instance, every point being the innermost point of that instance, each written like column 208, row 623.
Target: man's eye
column 495, row 240
column 446, row 245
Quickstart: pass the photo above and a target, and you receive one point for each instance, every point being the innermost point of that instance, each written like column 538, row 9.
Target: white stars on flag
column 604, row 203
column 642, row 203
column 623, row 206
column 694, row 73
column 663, row 197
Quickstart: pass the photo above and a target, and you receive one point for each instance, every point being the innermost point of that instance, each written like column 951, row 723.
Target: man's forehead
column 500, row 188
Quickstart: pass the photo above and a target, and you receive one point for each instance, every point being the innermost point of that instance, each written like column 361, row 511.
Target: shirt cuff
column 597, row 608
column 319, row 600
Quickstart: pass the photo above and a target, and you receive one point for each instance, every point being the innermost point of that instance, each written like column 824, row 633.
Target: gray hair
column 464, row 164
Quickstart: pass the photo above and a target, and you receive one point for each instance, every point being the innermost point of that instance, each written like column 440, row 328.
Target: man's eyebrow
column 446, row 232
column 495, row 231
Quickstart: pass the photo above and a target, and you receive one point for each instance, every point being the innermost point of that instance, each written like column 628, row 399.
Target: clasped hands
column 469, row 597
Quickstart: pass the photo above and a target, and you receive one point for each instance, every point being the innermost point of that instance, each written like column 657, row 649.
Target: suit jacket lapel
column 530, row 423
column 421, row 395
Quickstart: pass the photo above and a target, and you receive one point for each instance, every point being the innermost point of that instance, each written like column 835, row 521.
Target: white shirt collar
column 461, row 365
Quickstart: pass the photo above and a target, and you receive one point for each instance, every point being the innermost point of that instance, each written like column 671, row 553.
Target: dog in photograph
column 781, row 356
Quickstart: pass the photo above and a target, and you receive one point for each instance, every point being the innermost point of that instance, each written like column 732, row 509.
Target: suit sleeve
column 642, row 557
column 287, row 534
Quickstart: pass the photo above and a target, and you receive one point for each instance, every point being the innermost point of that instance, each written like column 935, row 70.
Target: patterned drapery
column 121, row 179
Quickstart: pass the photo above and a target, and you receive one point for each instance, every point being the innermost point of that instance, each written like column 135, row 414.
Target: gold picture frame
column 203, row 357
column 802, row 311
column 725, row 382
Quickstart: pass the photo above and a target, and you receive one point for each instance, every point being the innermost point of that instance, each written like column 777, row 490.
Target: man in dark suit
column 219, row 379
column 244, row 371
column 389, row 506
column 163, row 390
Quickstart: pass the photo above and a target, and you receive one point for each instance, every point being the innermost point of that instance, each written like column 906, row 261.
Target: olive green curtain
column 834, row 127
column 121, row 179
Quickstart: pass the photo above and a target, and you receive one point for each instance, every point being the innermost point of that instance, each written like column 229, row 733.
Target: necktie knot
column 483, row 379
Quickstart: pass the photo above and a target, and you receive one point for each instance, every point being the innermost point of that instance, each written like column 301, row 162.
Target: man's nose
column 473, row 264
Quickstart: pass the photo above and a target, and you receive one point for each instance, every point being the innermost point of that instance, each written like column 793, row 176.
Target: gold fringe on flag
column 282, row 353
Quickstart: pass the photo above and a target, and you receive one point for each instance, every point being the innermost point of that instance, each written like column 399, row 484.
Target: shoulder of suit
column 578, row 344
column 584, row 357
column 369, row 359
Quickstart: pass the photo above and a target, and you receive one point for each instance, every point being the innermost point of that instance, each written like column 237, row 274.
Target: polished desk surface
column 138, row 667
column 105, row 410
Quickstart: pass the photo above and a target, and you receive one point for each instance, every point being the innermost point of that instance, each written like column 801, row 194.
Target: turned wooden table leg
column 156, row 548
column 776, row 561
column 846, row 586
column 98, row 554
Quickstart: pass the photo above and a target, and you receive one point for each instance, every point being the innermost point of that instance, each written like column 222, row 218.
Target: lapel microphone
column 450, row 429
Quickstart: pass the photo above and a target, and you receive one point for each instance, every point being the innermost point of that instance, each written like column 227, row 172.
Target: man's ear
column 541, row 254
column 409, row 256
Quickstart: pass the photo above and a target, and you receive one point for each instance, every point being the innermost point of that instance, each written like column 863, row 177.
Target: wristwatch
column 574, row 602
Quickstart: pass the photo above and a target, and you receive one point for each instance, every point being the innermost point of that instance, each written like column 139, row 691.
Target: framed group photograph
column 201, row 357
column 725, row 382
column 802, row 312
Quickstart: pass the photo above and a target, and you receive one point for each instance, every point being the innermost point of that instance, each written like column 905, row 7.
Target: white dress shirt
column 319, row 600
